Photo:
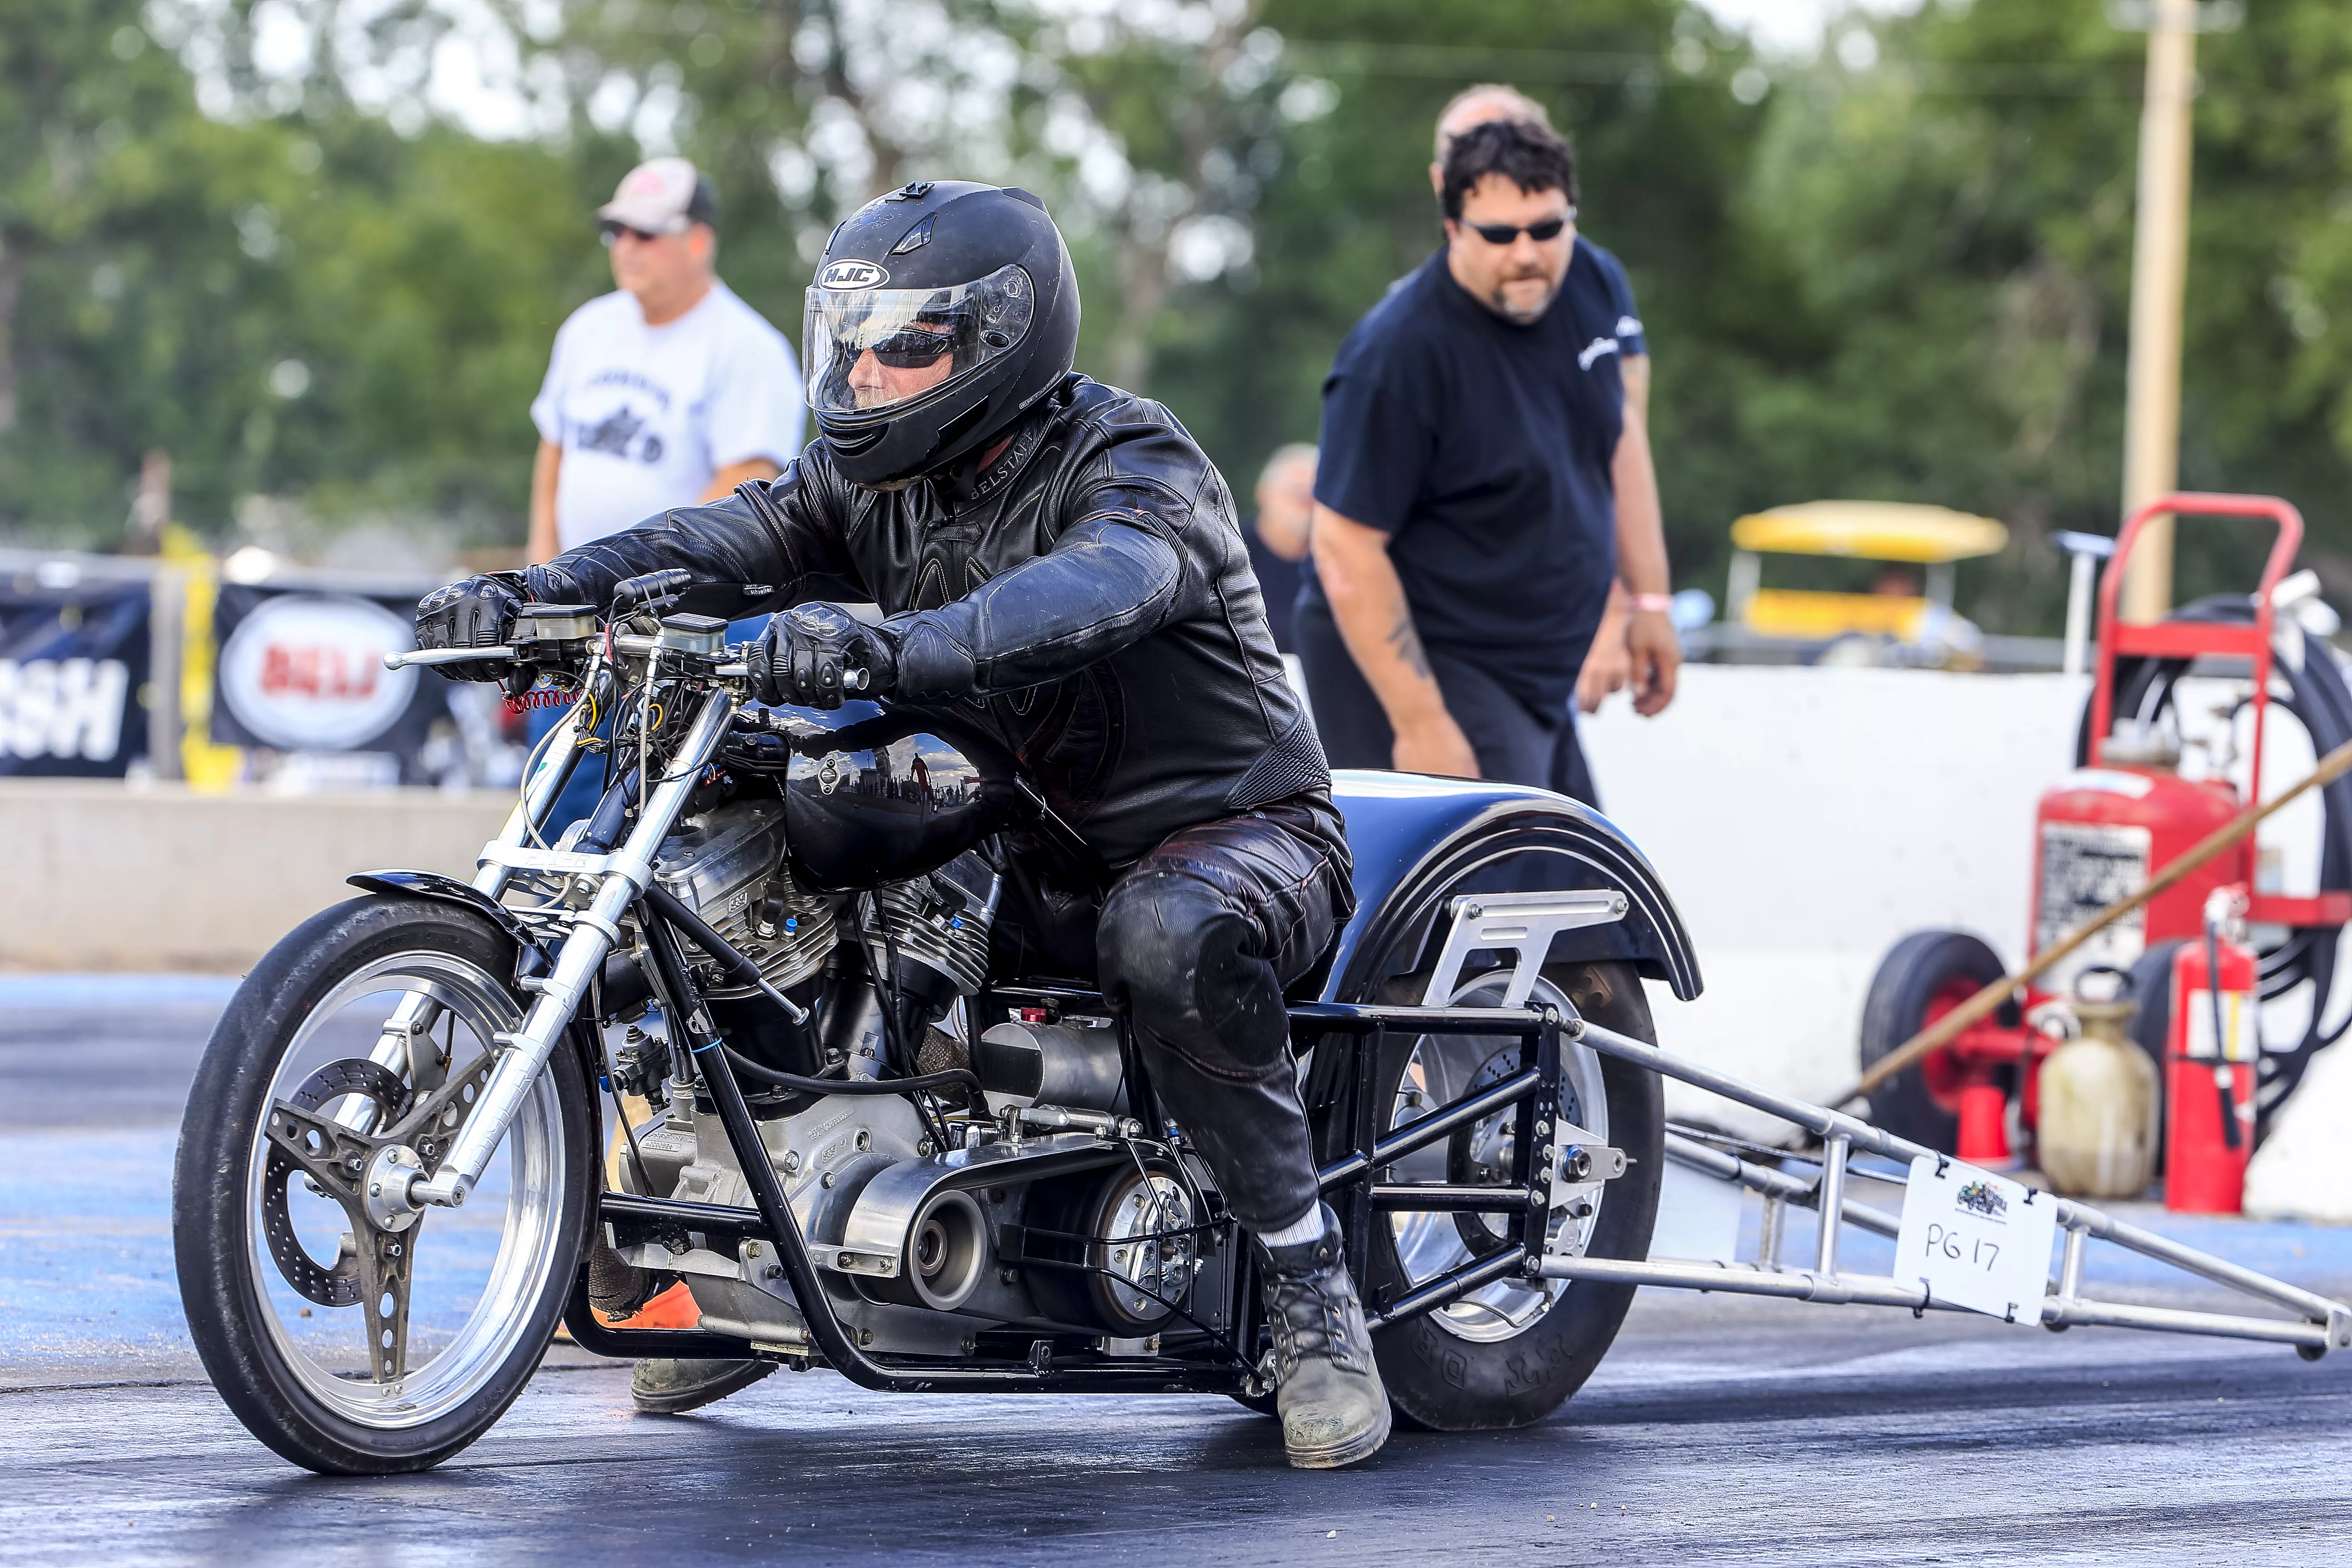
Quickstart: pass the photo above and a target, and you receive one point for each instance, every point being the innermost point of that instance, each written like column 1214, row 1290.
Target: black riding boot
column 662, row 1386
column 1326, row 1385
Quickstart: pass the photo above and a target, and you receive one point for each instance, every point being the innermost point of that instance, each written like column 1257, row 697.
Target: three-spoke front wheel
column 350, row 1337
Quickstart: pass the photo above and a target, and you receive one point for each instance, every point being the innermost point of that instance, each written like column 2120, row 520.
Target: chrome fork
column 621, row 877
column 405, row 1045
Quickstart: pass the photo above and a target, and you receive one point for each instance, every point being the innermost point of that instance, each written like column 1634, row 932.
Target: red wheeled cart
column 2102, row 831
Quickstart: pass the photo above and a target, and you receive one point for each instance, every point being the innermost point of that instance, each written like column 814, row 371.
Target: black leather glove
column 814, row 656
column 476, row 613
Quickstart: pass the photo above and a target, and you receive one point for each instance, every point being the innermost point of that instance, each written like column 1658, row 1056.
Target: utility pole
column 2159, row 277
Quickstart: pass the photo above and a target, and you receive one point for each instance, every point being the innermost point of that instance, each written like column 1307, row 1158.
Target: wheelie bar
column 2320, row 1324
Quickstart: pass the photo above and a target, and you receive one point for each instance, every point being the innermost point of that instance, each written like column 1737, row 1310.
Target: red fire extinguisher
column 2210, row 1054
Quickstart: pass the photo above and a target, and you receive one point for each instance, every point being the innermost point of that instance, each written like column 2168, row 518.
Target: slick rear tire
column 1921, row 978
column 293, row 1402
column 1438, row 1380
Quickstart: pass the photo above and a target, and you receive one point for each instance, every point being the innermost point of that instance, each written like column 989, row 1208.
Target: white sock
column 1309, row 1228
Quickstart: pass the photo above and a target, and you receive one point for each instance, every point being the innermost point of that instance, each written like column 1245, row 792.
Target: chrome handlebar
column 433, row 656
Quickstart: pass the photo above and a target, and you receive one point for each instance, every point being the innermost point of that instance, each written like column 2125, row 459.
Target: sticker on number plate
column 1974, row 1239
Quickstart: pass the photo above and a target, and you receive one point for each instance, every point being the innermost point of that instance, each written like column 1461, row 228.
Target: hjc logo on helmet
column 853, row 275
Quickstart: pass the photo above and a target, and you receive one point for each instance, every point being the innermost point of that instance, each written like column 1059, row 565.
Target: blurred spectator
column 1609, row 666
column 1277, row 535
column 151, row 506
column 1467, row 533
column 668, row 391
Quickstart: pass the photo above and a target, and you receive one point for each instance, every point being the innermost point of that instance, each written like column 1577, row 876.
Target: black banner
column 301, row 669
column 73, row 675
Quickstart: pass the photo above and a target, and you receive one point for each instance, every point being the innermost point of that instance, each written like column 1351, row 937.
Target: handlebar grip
column 652, row 585
column 857, row 679
column 432, row 656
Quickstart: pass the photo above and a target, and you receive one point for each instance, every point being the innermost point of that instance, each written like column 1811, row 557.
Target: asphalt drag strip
column 1719, row 1430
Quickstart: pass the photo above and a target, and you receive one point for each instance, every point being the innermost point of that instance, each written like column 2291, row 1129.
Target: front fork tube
column 595, row 932
column 406, row 1046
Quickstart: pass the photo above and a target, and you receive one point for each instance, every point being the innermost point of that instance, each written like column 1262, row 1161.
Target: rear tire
column 1449, row 1371
column 293, row 1384
column 1921, row 978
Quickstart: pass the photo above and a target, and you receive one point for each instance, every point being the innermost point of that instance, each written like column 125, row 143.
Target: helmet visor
column 867, row 350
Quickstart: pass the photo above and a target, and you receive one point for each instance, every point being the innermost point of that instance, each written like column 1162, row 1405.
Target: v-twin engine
column 1052, row 1220
column 1046, row 1211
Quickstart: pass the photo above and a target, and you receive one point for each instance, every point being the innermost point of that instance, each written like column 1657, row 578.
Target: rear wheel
column 1513, row 1352
column 1922, row 977
column 346, row 1345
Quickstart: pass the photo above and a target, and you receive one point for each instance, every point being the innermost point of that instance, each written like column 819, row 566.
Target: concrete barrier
column 101, row 876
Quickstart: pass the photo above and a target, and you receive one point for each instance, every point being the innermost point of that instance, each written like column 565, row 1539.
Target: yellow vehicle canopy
column 1873, row 530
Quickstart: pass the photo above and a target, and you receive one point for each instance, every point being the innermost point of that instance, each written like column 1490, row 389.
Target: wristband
column 1651, row 604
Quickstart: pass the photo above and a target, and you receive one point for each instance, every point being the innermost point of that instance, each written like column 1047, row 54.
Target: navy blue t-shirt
column 1483, row 449
column 1277, row 580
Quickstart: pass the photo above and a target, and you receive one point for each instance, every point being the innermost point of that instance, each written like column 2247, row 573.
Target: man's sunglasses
column 910, row 348
column 1506, row 233
column 611, row 234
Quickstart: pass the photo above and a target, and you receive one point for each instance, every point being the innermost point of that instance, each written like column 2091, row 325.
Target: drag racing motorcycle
column 859, row 1140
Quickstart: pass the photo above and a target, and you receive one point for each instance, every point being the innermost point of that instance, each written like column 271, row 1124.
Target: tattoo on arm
column 1407, row 643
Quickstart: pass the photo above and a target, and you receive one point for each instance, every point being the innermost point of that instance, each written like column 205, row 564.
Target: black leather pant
column 1195, row 943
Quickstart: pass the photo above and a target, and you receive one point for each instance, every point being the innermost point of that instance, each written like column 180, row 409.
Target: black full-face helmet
column 940, row 312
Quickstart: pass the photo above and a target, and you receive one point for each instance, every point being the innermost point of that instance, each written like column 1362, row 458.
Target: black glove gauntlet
column 481, row 613
column 814, row 656
column 476, row 613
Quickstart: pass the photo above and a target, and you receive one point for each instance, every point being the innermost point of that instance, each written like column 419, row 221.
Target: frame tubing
column 1503, row 1265
column 711, row 1219
column 1837, row 1125
column 1417, row 1136
column 1829, row 1197
column 1365, row 1106
column 1430, row 1198
column 1535, row 1164
column 1873, row 1291
column 1780, row 1189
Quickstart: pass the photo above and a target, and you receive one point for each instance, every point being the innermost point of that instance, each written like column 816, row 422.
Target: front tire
column 380, row 1352
column 1513, row 1352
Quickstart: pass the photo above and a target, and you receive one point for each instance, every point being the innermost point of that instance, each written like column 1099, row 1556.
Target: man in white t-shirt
column 668, row 391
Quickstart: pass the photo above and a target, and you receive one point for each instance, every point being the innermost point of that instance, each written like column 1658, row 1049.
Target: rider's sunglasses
column 611, row 234
column 1504, row 234
column 911, row 348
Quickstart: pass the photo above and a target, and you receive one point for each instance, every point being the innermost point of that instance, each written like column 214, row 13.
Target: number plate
column 1975, row 1241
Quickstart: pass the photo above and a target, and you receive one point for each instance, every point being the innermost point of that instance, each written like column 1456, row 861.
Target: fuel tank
column 873, row 797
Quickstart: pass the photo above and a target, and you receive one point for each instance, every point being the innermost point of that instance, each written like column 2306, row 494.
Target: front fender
column 529, row 959
column 1417, row 841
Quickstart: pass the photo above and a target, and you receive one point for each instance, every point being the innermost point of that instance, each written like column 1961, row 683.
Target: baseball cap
column 661, row 195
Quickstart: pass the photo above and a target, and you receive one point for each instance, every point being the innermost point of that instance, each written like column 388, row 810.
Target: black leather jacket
column 1087, row 598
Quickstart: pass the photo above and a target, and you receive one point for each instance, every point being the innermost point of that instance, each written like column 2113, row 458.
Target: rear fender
column 1419, row 841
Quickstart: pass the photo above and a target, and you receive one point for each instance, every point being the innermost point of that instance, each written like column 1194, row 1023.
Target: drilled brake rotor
column 337, row 1284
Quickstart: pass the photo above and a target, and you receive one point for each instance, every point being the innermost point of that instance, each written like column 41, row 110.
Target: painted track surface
column 1718, row 1431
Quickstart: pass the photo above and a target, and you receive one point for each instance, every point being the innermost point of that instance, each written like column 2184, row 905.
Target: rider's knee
column 1184, row 963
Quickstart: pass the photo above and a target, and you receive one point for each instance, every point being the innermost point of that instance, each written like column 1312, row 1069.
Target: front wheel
column 348, row 1347
column 1512, row 1353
